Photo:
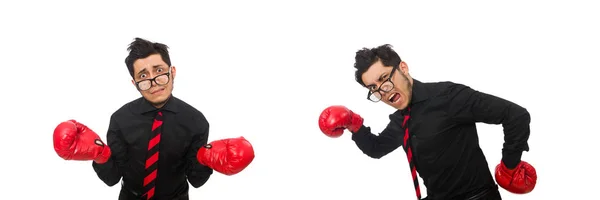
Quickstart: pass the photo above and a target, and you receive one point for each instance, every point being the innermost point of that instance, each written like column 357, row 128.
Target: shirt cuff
column 511, row 158
column 361, row 132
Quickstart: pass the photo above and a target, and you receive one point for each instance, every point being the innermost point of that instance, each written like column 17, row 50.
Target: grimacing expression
column 400, row 94
column 149, row 68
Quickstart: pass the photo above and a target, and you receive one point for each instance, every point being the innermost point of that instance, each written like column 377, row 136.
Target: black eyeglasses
column 388, row 85
column 161, row 80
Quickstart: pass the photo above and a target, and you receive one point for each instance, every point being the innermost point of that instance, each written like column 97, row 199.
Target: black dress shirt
column 444, row 138
column 185, row 130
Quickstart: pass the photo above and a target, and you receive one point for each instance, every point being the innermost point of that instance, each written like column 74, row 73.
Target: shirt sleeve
column 109, row 172
column 377, row 146
column 198, row 174
column 468, row 105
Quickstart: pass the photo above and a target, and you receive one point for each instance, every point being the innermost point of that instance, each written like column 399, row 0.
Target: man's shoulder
column 127, row 108
column 189, row 115
column 187, row 109
column 445, row 87
column 442, row 84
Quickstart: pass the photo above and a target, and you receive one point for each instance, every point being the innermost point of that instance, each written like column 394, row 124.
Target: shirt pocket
column 136, row 136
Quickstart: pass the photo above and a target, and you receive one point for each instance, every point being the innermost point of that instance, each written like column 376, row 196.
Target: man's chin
column 400, row 106
column 157, row 101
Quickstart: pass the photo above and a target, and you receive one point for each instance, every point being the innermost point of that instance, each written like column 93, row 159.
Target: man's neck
column 159, row 105
column 162, row 104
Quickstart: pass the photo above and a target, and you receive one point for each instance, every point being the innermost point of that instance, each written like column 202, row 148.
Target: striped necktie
column 409, row 155
column 152, row 157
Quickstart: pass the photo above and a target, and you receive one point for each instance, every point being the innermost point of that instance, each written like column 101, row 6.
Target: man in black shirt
column 435, row 123
column 156, row 143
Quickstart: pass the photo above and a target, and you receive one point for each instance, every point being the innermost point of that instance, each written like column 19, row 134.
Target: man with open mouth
column 435, row 123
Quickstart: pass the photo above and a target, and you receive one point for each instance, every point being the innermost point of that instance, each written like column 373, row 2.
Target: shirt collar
column 420, row 92
column 145, row 106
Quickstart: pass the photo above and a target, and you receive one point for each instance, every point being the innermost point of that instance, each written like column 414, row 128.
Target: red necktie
column 408, row 150
column 152, row 157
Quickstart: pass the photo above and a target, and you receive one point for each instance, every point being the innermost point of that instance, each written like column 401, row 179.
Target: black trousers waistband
column 486, row 193
column 129, row 194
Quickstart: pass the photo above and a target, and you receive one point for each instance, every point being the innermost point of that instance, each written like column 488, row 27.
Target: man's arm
column 468, row 105
column 198, row 174
column 109, row 172
column 377, row 146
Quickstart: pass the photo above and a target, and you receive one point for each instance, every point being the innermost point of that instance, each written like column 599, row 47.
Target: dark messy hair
column 140, row 48
column 366, row 57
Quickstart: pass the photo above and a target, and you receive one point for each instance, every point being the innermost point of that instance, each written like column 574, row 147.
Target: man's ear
column 173, row 71
column 133, row 82
column 404, row 68
column 135, row 86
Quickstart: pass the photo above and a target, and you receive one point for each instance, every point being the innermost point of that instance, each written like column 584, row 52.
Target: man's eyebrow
column 379, row 79
column 144, row 70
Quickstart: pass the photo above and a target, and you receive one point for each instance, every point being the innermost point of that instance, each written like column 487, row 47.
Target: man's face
column 149, row 68
column 400, row 92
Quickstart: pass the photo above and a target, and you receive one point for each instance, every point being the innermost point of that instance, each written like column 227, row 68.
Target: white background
column 266, row 69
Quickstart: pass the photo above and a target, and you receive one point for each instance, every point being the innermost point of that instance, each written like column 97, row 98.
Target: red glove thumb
column 520, row 180
column 227, row 156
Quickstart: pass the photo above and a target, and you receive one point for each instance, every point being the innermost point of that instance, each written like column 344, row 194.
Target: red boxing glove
column 335, row 119
column 520, row 180
column 227, row 156
column 75, row 141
